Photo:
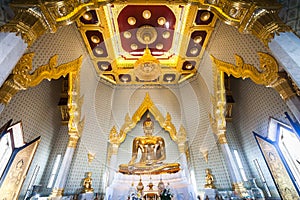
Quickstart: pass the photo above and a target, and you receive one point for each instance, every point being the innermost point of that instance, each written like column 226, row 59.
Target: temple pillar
column 12, row 48
column 264, row 23
column 19, row 34
column 285, row 91
column 59, row 185
column 115, row 140
column 183, row 161
column 234, row 174
column 75, row 128
column 182, row 147
column 113, row 162
column 286, row 49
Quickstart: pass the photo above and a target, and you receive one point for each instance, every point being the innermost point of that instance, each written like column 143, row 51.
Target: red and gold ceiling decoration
column 146, row 44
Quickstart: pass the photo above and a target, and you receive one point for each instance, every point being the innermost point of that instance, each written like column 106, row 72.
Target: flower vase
column 258, row 193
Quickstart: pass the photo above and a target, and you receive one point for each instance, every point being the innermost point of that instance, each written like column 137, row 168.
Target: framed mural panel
column 277, row 168
column 18, row 168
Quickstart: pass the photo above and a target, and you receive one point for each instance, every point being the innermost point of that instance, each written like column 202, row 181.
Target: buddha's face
column 148, row 127
column 148, row 131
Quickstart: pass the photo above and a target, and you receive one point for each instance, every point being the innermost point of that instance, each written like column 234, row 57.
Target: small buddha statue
column 87, row 183
column 153, row 153
column 209, row 180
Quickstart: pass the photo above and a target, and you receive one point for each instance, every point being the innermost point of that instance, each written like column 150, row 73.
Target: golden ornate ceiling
column 146, row 43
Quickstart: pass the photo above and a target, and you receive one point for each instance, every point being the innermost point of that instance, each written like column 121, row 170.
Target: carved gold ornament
column 218, row 116
column 259, row 17
column 22, row 78
column 130, row 123
column 147, row 68
column 75, row 101
column 28, row 23
column 267, row 74
column 91, row 157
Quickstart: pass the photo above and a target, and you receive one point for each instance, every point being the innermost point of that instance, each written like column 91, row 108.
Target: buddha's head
column 148, row 126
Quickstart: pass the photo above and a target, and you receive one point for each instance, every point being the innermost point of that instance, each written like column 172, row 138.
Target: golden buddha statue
column 153, row 153
column 87, row 183
column 209, row 180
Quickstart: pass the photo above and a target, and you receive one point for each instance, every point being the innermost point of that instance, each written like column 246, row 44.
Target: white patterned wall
column 37, row 108
column 254, row 106
column 68, row 45
column 197, row 108
column 96, row 112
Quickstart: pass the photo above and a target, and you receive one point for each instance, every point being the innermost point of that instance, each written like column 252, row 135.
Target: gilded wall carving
column 22, row 78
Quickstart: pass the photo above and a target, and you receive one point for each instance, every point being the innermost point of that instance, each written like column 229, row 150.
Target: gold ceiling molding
column 147, row 105
column 22, row 78
column 266, row 74
column 259, row 17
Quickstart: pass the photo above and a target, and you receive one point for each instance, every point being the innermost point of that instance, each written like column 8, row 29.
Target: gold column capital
column 57, row 192
column 284, row 89
column 73, row 139
column 114, row 149
column 27, row 22
column 263, row 21
column 239, row 189
column 222, row 138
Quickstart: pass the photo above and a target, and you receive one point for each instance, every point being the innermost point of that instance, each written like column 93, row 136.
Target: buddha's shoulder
column 148, row 137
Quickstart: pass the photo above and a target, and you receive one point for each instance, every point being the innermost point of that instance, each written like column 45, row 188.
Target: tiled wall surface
column 290, row 14
column 254, row 106
column 37, row 108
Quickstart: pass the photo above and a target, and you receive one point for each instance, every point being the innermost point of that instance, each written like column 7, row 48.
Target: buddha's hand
column 148, row 162
column 131, row 162
column 130, row 168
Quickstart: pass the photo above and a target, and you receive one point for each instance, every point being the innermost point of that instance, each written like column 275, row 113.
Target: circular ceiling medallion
column 166, row 34
column 169, row 77
column 131, row 20
column 134, row 46
column 127, row 34
column 146, row 34
column 159, row 46
column 189, row 66
column 125, row 78
column 104, row 66
column 198, row 39
column 161, row 21
column 194, row 51
column 95, row 39
column 87, row 16
column 146, row 14
column 99, row 50
column 205, row 16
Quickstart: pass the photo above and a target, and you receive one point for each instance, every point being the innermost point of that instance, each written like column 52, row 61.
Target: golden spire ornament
column 91, row 157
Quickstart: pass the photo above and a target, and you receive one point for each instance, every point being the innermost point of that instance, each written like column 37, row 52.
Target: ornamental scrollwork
column 147, row 105
column 22, row 78
column 266, row 74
